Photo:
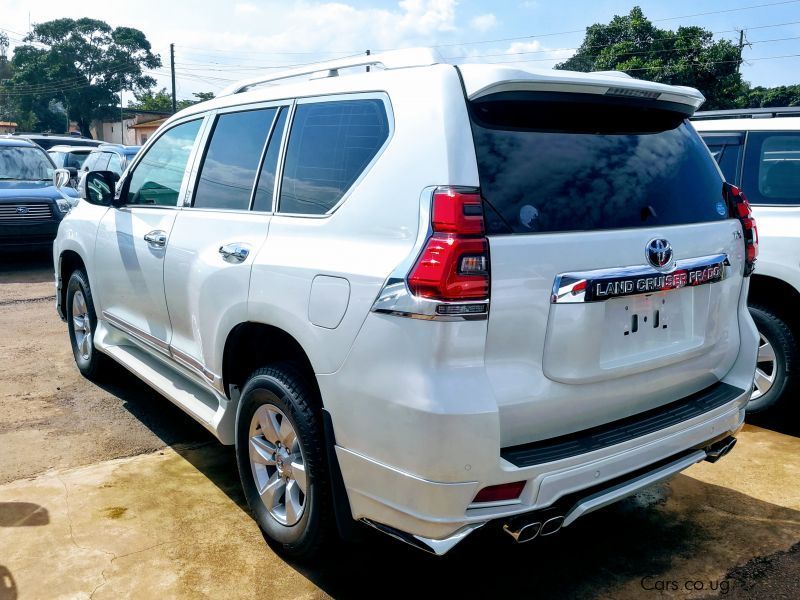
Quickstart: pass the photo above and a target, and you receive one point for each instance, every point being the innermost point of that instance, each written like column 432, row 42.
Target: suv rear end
column 570, row 325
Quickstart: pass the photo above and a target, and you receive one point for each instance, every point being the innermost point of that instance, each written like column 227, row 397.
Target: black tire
column 93, row 364
column 780, row 336
column 283, row 386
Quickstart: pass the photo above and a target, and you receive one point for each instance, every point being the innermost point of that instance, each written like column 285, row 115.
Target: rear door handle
column 156, row 238
column 234, row 252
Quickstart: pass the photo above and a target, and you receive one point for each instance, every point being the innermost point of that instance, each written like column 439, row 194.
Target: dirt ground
column 109, row 492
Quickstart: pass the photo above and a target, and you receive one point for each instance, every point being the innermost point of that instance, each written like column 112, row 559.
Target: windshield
column 30, row 164
column 578, row 164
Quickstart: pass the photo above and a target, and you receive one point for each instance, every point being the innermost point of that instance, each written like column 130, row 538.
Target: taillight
column 454, row 265
column 740, row 209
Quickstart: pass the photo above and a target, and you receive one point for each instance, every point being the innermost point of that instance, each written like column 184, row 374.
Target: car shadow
column 35, row 267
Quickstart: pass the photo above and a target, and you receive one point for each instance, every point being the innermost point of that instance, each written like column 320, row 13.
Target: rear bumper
column 440, row 514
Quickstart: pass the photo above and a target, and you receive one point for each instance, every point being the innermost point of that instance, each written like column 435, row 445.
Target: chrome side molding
column 603, row 284
column 214, row 380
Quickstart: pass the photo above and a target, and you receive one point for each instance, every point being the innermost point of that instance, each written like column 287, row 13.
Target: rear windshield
column 572, row 162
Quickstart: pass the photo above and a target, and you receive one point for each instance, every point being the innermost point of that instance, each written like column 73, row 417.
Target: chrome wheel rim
column 81, row 325
column 276, row 461
column 766, row 368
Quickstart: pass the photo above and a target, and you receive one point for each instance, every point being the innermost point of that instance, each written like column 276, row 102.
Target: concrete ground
column 111, row 491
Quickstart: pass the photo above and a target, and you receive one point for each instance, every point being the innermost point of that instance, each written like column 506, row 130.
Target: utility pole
column 172, row 68
column 121, row 121
column 368, row 53
column 742, row 44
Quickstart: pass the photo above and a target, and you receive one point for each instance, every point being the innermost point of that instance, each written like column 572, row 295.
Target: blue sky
column 220, row 42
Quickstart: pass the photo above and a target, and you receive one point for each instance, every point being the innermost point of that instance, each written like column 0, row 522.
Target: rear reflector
column 498, row 493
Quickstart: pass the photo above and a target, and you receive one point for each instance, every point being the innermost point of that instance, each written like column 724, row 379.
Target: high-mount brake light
column 454, row 264
column 740, row 209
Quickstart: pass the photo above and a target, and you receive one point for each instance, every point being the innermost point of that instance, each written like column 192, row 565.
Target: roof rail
column 747, row 113
column 394, row 59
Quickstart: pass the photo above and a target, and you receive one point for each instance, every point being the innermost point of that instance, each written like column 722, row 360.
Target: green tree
column 161, row 100
column 761, row 97
column 81, row 65
column 687, row 56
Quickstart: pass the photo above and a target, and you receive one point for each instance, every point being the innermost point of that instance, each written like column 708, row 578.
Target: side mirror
column 61, row 178
column 97, row 187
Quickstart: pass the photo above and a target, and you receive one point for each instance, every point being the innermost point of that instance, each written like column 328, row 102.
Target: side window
column 727, row 156
column 266, row 179
column 101, row 164
column 771, row 172
column 114, row 164
column 330, row 145
column 231, row 160
column 89, row 163
column 157, row 177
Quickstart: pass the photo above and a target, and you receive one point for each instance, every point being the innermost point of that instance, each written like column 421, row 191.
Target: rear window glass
column 570, row 162
column 771, row 172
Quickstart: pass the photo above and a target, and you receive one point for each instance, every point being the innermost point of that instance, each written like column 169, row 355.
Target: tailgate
column 615, row 269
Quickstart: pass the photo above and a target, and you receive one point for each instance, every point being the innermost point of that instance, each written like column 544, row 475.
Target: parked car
column 31, row 208
column 426, row 297
column 759, row 151
column 110, row 157
column 70, row 158
column 47, row 140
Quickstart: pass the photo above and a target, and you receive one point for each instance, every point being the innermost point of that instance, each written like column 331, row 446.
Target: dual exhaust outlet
column 524, row 528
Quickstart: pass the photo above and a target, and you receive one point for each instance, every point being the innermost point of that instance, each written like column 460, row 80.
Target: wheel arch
column 68, row 261
column 251, row 345
column 777, row 294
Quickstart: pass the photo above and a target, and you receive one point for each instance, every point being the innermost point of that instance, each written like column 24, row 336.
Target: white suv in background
column 424, row 296
column 759, row 151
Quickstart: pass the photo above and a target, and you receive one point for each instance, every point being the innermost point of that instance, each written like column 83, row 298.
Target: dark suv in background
column 31, row 208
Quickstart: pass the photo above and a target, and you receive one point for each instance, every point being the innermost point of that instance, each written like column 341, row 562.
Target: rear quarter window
column 569, row 162
column 330, row 146
column 771, row 173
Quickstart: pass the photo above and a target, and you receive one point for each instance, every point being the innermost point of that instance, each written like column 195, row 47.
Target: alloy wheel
column 276, row 461
column 766, row 368
column 82, row 325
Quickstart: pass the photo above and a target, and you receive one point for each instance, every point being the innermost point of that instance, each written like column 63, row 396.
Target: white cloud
column 245, row 8
column 483, row 23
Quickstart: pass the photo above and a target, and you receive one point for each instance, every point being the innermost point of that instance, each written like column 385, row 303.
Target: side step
column 202, row 404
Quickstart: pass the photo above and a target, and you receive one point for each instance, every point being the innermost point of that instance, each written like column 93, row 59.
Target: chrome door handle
column 156, row 238
column 234, row 252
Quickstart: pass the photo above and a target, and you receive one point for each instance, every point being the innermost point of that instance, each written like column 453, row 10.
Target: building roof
column 148, row 124
column 7, row 124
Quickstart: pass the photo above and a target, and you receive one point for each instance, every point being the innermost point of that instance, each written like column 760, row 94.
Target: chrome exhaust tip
column 551, row 526
column 524, row 533
column 719, row 449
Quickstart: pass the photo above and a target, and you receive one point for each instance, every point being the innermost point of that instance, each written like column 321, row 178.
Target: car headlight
column 64, row 205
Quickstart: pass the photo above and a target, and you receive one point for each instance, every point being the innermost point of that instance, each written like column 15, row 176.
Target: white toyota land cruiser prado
column 426, row 297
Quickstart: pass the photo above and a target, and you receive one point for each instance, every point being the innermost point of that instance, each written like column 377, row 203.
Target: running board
column 198, row 401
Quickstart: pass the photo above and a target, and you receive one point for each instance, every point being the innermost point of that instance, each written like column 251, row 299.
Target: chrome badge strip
column 604, row 284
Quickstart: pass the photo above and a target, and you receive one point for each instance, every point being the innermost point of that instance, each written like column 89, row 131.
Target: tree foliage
column 687, row 56
column 161, row 100
column 761, row 97
column 80, row 66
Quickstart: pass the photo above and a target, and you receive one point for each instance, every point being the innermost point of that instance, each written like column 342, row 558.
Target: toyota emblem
column 659, row 254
